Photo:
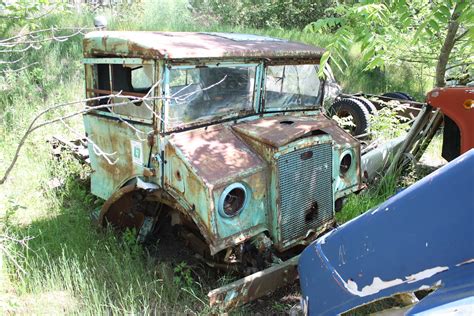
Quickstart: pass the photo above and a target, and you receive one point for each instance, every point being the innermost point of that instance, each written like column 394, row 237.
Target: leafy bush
column 388, row 124
column 263, row 13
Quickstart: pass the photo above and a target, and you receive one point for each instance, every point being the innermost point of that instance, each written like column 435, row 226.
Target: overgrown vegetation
column 280, row 14
column 431, row 33
column 59, row 263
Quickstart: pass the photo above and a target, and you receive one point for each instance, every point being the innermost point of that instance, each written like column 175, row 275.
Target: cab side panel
column 117, row 154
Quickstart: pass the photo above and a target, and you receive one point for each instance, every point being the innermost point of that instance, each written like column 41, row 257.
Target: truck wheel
column 398, row 95
column 368, row 104
column 350, row 107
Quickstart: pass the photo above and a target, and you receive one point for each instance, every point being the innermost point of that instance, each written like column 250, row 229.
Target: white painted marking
column 137, row 152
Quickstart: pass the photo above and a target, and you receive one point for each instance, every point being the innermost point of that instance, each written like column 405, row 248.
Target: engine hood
column 277, row 131
column 216, row 154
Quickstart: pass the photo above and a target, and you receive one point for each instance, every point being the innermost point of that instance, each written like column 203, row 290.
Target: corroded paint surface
column 216, row 153
column 421, row 238
column 280, row 130
column 255, row 214
column 458, row 104
column 114, row 137
column 254, row 286
column 199, row 165
column 186, row 45
column 182, row 182
column 345, row 144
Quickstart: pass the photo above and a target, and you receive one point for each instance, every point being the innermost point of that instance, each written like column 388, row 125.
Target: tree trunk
column 448, row 45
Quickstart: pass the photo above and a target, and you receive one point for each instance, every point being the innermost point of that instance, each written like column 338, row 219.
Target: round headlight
column 233, row 200
column 345, row 164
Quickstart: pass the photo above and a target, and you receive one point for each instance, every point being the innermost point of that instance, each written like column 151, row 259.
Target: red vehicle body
column 457, row 105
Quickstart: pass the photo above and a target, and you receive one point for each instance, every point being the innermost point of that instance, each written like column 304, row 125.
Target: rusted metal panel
column 216, row 153
column 345, row 144
column 283, row 162
column 188, row 45
column 457, row 103
column 281, row 130
column 200, row 164
column 129, row 153
column 254, row 286
column 253, row 215
column 181, row 180
column 340, row 136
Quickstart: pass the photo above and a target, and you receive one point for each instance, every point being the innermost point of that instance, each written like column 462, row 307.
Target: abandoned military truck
column 220, row 134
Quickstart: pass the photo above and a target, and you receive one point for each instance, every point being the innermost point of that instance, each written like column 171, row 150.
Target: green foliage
column 182, row 275
column 99, row 272
column 394, row 32
column 131, row 245
column 388, row 124
column 356, row 205
column 263, row 13
column 346, row 122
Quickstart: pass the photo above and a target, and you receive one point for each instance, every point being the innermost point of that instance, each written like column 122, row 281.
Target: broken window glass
column 291, row 86
column 209, row 93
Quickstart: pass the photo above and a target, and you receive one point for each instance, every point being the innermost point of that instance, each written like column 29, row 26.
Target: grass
column 356, row 205
column 68, row 266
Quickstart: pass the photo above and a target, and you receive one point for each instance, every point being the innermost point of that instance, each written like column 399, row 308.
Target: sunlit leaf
column 433, row 25
column 323, row 62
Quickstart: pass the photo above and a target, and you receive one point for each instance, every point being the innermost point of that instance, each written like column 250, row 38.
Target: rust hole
column 312, row 212
column 366, row 174
column 287, row 122
column 178, row 175
column 307, row 155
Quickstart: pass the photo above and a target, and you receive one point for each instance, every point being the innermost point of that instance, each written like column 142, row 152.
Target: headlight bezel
column 240, row 188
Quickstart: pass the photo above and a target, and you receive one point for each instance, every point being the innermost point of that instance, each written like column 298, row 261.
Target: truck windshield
column 291, row 86
column 203, row 94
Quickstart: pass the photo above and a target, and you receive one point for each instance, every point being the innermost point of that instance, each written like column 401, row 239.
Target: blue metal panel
column 420, row 238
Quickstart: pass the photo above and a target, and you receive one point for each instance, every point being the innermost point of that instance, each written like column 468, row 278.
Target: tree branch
column 447, row 47
column 131, row 100
column 458, row 65
column 461, row 35
column 19, row 69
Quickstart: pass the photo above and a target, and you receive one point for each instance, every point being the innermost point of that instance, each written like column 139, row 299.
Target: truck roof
column 192, row 45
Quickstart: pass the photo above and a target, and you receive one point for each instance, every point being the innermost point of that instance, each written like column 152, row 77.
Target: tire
column 406, row 95
column 350, row 106
column 368, row 104
column 398, row 95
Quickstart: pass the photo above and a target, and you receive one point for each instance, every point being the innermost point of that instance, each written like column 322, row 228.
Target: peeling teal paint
column 113, row 136
column 180, row 177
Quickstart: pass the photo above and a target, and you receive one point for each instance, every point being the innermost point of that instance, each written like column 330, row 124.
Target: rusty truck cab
column 225, row 131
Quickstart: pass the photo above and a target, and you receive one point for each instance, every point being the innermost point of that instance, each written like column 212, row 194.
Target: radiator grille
column 306, row 197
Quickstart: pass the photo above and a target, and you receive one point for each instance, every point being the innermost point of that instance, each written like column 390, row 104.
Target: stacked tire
column 359, row 108
column 398, row 95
